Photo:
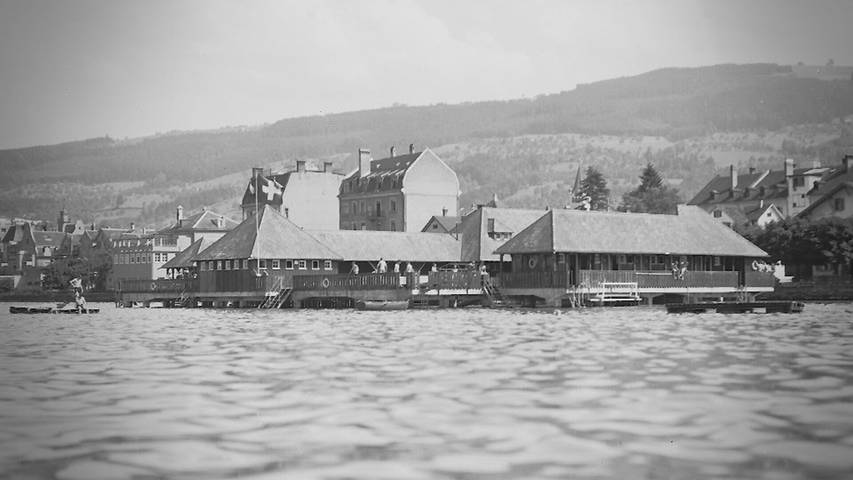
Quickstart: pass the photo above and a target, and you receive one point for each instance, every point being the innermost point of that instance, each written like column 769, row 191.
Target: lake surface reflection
column 609, row 393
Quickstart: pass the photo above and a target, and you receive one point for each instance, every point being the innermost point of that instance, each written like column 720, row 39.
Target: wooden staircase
column 615, row 293
column 494, row 296
column 277, row 300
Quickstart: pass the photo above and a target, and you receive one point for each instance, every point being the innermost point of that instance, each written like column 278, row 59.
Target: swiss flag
column 270, row 191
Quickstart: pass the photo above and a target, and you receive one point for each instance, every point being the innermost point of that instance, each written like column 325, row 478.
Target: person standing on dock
column 354, row 269
column 434, row 268
column 382, row 266
column 409, row 268
column 397, row 267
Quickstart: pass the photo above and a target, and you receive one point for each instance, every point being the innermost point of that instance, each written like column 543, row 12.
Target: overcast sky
column 79, row 69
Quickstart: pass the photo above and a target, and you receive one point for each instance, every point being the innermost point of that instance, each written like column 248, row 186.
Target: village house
column 441, row 224
column 397, row 193
column 786, row 189
column 833, row 195
column 306, row 195
column 571, row 252
column 139, row 255
column 486, row 228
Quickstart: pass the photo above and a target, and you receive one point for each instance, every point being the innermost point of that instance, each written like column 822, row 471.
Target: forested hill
column 674, row 103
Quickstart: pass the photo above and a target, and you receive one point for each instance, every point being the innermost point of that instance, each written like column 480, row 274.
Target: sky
column 71, row 70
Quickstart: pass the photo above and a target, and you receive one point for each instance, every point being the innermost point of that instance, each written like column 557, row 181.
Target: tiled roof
column 826, row 195
column 477, row 246
column 385, row 174
column 367, row 245
column 267, row 235
column 691, row 232
column 447, row 223
column 48, row 239
column 185, row 258
column 773, row 183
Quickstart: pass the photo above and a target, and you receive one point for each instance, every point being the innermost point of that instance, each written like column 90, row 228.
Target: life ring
column 153, row 286
column 755, row 265
column 325, row 282
column 531, row 262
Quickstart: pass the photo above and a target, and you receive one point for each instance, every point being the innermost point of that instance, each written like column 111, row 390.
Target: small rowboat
column 33, row 310
column 382, row 304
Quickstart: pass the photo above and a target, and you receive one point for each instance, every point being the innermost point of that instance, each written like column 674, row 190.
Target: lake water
column 596, row 393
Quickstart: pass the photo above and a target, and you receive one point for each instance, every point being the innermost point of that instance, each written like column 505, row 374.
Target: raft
column 382, row 304
column 737, row 307
column 34, row 310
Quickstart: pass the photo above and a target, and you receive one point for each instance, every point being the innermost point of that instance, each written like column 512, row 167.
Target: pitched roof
column 368, row 245
column 48, row 239
column 827, row 194
column 751, row 186
column 185, row 258
column 385, row 174
column 477, row 245
column 267, row 235
column 691, row 232
column 203, row 221
column 447, row 223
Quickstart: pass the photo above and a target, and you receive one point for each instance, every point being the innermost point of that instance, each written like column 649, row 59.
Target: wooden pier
column 736, row 307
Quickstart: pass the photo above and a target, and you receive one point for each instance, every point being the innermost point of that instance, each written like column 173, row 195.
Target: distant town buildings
column 397, row 193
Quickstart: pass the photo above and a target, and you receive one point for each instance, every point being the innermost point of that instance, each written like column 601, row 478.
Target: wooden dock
column 737, row 307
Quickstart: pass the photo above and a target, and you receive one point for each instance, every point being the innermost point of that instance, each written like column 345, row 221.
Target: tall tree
column 652, row 195
column 594, row 188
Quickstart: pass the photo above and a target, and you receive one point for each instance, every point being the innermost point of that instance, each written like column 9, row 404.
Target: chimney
column 327, row 166
column 257, row 172
column 220, row 221
column 179, row 215
column 392, row 151
column 789, row 167
column 132, row 226
column 751, row 170
column 364, row 159
column 848, row 163
column 761, row 203
column 300, row 165
column 444, row 211
column 411, row 148
column 733, row 175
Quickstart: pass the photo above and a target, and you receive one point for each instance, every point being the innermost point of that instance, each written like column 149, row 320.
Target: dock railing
column 366, row 281
column 160, row 285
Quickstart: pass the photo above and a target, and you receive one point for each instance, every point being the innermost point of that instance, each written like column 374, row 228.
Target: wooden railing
column 367, row 281
column 760, row 279
column 455, row 280
column 158, row 286
column 535, row 280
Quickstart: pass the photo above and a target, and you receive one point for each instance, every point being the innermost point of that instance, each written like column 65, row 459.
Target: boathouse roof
column 368, row 245
column 479, row 243
column 267, row 235
column 186, row 257
column 691, row 232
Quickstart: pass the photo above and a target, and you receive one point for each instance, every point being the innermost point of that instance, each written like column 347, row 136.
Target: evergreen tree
column 594, row 187
column 651, row 196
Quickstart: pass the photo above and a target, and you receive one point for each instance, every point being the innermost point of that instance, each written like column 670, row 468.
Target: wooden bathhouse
column 568, row 256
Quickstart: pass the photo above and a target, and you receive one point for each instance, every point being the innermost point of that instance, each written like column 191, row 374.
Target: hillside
column 688, row 121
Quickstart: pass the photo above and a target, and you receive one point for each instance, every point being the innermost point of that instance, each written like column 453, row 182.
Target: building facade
column 306, row 195
column 397, row 193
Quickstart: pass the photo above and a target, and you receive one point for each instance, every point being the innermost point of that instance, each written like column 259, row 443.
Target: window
column 838, row 203
column 220, row 265
column 327, row 264
column 315, row 264
column 345, row 209
column 394, row 226
column 262, row 264
column 276, row 265
column 799, row 181
column 202, row 266
column 561, row 258
column 718, row 213
column 286, row 212
column 596, row 259
column 354, row 209
column 302, row 264
column 245, row 264
column 393, row 206
column 288, row 264
column 378, row 209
